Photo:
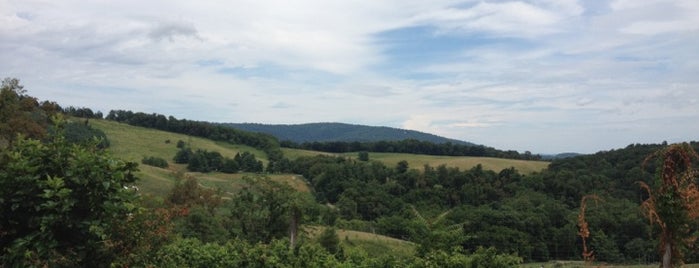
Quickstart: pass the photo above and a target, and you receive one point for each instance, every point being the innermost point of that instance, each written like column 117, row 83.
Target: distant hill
column 559, row 156
column 327, row 132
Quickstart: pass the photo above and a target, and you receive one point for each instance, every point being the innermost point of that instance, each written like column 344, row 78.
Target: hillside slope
column 133, row 143
column 324, row 132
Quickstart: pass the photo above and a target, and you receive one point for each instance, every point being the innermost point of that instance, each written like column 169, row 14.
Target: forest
column 67, row 202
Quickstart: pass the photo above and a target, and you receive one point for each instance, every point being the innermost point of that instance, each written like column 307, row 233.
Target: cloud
column 588, row 75
column 170, row 30
column 513, row 18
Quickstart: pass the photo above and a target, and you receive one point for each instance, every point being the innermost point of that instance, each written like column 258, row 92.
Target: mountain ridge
column 344, row 132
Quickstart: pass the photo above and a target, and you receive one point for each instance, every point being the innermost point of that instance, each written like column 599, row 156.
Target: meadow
column 418, row 161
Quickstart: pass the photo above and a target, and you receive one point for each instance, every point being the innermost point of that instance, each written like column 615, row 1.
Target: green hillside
column 418, row 161
column 132, row 143
column 462, row 162
column 374, row 244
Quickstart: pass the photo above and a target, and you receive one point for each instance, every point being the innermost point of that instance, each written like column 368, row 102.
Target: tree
column 329, row 240
column 673, row 202
column 61, row 203
column 265, row 210
column 20, row 113
column 584, row 231
column 363, row 156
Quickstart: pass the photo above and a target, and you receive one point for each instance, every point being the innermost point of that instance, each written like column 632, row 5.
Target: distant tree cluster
column 22, row 114
column 79, row 132
column 266, row 143
column 82, row 112
column 154, row 161
column 411, row 146
column 205, row 161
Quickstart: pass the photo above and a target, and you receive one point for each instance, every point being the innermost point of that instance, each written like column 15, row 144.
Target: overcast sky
column 546, row 76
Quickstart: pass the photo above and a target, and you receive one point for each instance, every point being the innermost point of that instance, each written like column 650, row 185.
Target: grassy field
column 462, row 162
column 418, row 160
column 374, row 245
column 133, row 143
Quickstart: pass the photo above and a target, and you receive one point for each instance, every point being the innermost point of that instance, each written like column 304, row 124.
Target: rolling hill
column 326, row 132
column 133, row 143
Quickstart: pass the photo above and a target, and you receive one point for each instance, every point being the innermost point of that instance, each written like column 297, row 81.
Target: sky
column 546, row 76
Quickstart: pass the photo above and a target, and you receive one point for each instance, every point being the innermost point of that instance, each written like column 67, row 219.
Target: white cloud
column 528, row 69
column 514, row 18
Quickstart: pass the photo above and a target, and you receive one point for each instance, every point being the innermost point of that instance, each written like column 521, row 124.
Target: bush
column 329, row 240
column 154, row 161
column 81, row 133
column 61, row 204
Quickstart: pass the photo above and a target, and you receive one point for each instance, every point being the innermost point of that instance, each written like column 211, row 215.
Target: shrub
column 154, row 161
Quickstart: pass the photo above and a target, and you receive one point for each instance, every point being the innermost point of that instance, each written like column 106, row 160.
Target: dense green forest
column 67, row 202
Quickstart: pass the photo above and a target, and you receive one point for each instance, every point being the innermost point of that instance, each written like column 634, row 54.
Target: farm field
column 418, row 161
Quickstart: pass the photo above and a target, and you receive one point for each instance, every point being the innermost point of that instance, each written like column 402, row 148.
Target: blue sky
column 545, row 76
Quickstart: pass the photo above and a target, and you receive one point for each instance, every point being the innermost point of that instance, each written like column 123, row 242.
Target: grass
column 374, row 245
column 132, row 143
column 462, row 162
column 418, row 160
column 292, row 154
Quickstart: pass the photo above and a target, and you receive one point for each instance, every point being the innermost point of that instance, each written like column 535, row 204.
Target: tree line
column 411, row 146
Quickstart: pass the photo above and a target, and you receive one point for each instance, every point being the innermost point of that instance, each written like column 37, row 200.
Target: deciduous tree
column 673, row 202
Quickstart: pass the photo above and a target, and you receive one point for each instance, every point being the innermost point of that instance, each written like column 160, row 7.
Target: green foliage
column 239, row 253
column 206, row 161
column 155, row 161
column 363, row 156
column 188, row 193
column 329, row 240
column 82, row 112
column 264, row 209
column 489, row 258
column 181, row 144
column 673, row 201
column 183, row 155
column 22, row 114
column 83, row 133
column 202, row 224
column 61, row 203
